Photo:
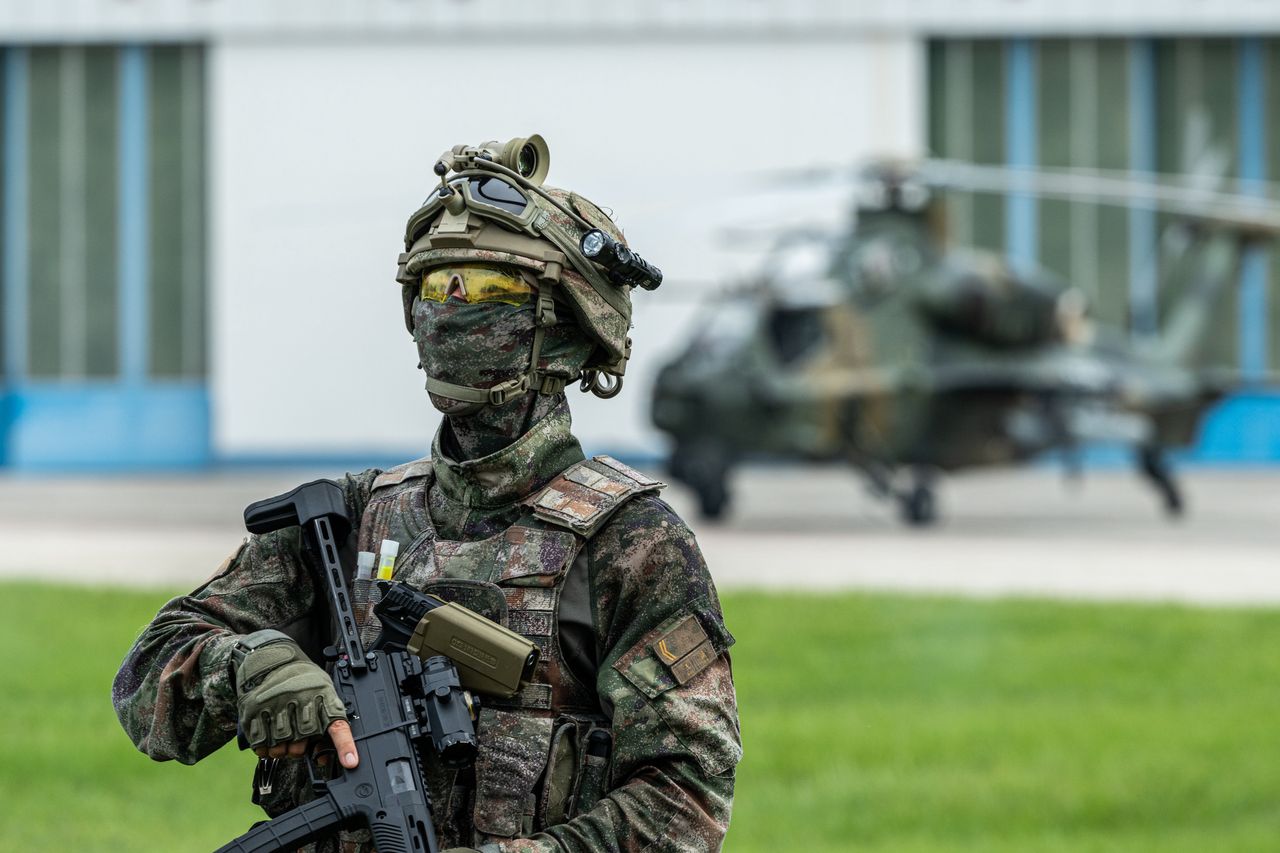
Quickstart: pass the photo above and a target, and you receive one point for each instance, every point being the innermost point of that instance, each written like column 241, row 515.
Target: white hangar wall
column 320, row 149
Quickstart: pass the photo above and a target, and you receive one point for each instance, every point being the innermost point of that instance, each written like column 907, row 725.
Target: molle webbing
column 386, row 498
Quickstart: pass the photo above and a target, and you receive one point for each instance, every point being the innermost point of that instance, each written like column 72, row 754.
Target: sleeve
column 174, row 694
column 665, row 676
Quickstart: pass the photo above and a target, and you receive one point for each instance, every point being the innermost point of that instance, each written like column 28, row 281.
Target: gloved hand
column 285, row 700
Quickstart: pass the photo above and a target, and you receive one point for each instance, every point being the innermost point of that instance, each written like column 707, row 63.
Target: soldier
column 627, row 738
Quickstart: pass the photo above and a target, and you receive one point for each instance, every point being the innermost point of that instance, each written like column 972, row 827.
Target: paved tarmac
column 1019, row 532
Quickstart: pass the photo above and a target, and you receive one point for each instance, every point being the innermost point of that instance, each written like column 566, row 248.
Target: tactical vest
column 543, row 754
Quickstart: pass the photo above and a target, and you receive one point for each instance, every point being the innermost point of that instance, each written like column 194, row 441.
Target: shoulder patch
column 408, row 471
column 685, row 649
column 584, row 495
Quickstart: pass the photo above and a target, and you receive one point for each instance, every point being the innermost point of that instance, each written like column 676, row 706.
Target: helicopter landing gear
column 713, row 499
column 1155, row 467
column 704, row 467
column 918, row 505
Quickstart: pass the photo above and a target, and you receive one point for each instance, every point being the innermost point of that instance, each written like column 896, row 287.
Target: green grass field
column 871, row 722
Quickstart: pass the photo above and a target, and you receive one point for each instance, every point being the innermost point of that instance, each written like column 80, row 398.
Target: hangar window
column 1206, row 106
column 105, row 234
column 102, row 254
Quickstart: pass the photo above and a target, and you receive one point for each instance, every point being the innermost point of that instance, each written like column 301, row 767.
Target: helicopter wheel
column 919, row 506
column 1154, row 465
column 704, row 467
column 713, row 499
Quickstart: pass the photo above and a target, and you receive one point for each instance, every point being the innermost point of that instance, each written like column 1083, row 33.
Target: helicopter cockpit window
column 907, row 259
column 913, row 196
column 795, row 332
column 878, row 264
column 802, row 262
column 724, row 329
column 872, row 195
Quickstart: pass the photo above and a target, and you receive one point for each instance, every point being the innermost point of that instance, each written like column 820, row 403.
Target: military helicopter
column 887, row 349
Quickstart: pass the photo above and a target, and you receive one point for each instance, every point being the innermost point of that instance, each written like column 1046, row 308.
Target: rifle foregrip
column 290, row 830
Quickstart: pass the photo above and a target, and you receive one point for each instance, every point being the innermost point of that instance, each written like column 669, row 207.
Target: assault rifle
column 397, row 699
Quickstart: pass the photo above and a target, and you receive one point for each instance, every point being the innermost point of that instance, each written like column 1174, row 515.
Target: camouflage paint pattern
column 669, row 784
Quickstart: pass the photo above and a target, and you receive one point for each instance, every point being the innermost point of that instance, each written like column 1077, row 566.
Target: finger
column 340, row 733
column 260, row 751
column 297, row 749
column 278, row 751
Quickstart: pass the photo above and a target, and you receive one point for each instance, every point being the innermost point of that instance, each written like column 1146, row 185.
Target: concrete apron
column 1016, row 533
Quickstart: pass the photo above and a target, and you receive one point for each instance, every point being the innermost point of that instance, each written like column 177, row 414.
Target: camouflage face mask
column 484, row 345
column 477, row 346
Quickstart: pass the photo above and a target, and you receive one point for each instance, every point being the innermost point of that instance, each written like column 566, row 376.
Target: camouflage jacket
column 634, row 649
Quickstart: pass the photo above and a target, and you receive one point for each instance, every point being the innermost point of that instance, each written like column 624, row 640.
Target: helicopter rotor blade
column 1254, row 208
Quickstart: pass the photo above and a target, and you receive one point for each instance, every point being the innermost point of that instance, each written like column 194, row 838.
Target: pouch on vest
column 513, row 754
column 556, row 802
column 593, row 777
column 477, row 596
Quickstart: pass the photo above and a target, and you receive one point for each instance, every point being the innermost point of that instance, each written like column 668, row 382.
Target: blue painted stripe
column 1143, row 314
column 1251, row 113
column 133, row 232
column 1021, row 220
column 104, row 426
column 15, row 247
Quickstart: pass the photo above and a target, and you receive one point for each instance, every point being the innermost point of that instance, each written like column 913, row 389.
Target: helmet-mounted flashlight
column 623, row 265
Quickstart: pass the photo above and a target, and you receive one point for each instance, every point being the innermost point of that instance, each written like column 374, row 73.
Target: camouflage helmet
column 491, row 208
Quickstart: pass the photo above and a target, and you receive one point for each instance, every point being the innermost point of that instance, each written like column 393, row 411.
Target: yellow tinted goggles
column 475, row 283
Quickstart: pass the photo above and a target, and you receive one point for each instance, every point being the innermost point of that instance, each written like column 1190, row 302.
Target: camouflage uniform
column 628, row 737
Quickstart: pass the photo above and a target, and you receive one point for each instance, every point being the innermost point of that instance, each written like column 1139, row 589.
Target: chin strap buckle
column 504, row 391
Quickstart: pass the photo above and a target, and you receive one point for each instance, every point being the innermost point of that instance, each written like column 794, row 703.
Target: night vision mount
column 525, row 161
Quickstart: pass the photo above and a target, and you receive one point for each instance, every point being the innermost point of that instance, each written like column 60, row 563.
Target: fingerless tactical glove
column 282, row 696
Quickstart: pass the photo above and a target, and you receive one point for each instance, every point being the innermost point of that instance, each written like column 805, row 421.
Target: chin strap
column 533, row 379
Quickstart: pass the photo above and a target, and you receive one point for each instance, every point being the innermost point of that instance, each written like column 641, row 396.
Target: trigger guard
column 318, row 775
